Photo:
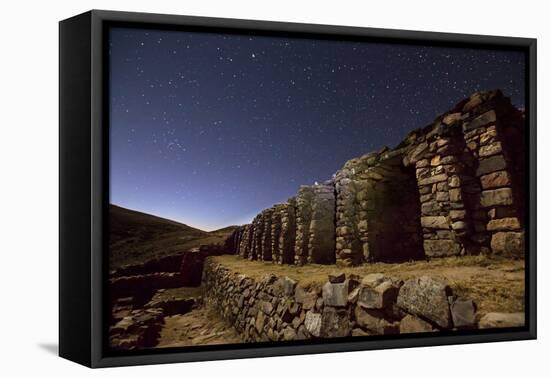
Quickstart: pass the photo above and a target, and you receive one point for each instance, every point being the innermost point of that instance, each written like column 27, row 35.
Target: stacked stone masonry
column 451, row 188
column 279, row 309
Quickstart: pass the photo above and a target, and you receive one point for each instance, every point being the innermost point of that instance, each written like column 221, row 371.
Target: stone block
column 359, row 332
column 463, row 312
column 458, row 226
column 417, row 153
column 488, row 136
column 306, row 298
column 473, row 102
column 437, row 222
column 502, row 320
column 335, row 322
column 503, row 224
column 412, row 324
column 482, row 120
column 260, row 321
column 496, row 197
column 495, row 180
column 422, row 163
column 457, row 214
column 432, row 179
column 374, row 322
column 427, row 298
column 452, row 118
column 381, row 296
column 373, row 279
column 441, row 248
column 288, row 286
column 491, row 164
column 454, row 181
column 289, row 334
column 335, row 294
column 490, row 149
column 455, row 195
column 442, row 196
column 430, row 208
column 450, row 159
column 442, row 186
column 508, row 244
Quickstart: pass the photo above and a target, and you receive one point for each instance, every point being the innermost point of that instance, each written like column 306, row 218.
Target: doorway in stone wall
column 394, row 231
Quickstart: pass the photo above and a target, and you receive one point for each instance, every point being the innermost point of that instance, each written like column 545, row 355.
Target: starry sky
column 209, row 129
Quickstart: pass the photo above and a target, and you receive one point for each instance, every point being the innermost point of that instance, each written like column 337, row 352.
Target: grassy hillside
column 136, row 237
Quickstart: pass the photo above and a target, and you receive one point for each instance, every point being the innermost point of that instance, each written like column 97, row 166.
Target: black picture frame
column 84, row 187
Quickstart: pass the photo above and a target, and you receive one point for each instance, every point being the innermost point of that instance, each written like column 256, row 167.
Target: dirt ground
column 201, row 326
column 495, row 284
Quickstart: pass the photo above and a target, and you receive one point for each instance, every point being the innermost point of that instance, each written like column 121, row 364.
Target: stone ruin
column 451, row 188
column 454, row 187
column 280, row 309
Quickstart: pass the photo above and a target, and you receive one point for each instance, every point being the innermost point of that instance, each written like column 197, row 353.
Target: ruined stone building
column 454, row 187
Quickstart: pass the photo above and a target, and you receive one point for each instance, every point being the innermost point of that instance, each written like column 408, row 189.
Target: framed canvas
column 233, row 188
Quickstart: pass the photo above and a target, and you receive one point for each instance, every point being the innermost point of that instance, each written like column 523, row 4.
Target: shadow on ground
column 51, row 348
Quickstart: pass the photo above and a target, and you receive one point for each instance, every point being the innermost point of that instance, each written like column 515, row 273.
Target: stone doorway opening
column 391, row 214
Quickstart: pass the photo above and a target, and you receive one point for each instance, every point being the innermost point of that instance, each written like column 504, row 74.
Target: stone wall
column 276, row 231
column 266, row 253
column 232, row 243
column 389, row 218
column 279, row 309
column 287, row 237
column 245, row 241
column 322, row 230
column 451, row 188
column 303, row 219
column 469, row 178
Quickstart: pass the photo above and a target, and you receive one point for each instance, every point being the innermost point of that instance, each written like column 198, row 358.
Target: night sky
column 209, row 129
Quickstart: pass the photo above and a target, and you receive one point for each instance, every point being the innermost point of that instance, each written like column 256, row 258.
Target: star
column 207, row 111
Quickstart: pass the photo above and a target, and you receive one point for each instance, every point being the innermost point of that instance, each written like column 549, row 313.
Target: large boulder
column 284, row 286
column 312, row 323
column 306, row 298
column 335, row 294
column 377, row 292
column 289, row 285
column 508, row 244
column 441, row 248
column 374, row 322
column 427, row 298
column 502, row 320
column 463, row 312
column 412, row 324
column 335, row 322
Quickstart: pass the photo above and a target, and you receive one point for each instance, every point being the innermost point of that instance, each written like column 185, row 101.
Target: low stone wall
column 279, row 309
column 181, row 269
column 169, row 263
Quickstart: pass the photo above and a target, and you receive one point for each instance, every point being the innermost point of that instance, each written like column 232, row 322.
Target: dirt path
column 201, row 326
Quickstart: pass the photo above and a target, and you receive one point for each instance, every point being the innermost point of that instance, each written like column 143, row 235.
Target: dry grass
column 495, row 284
